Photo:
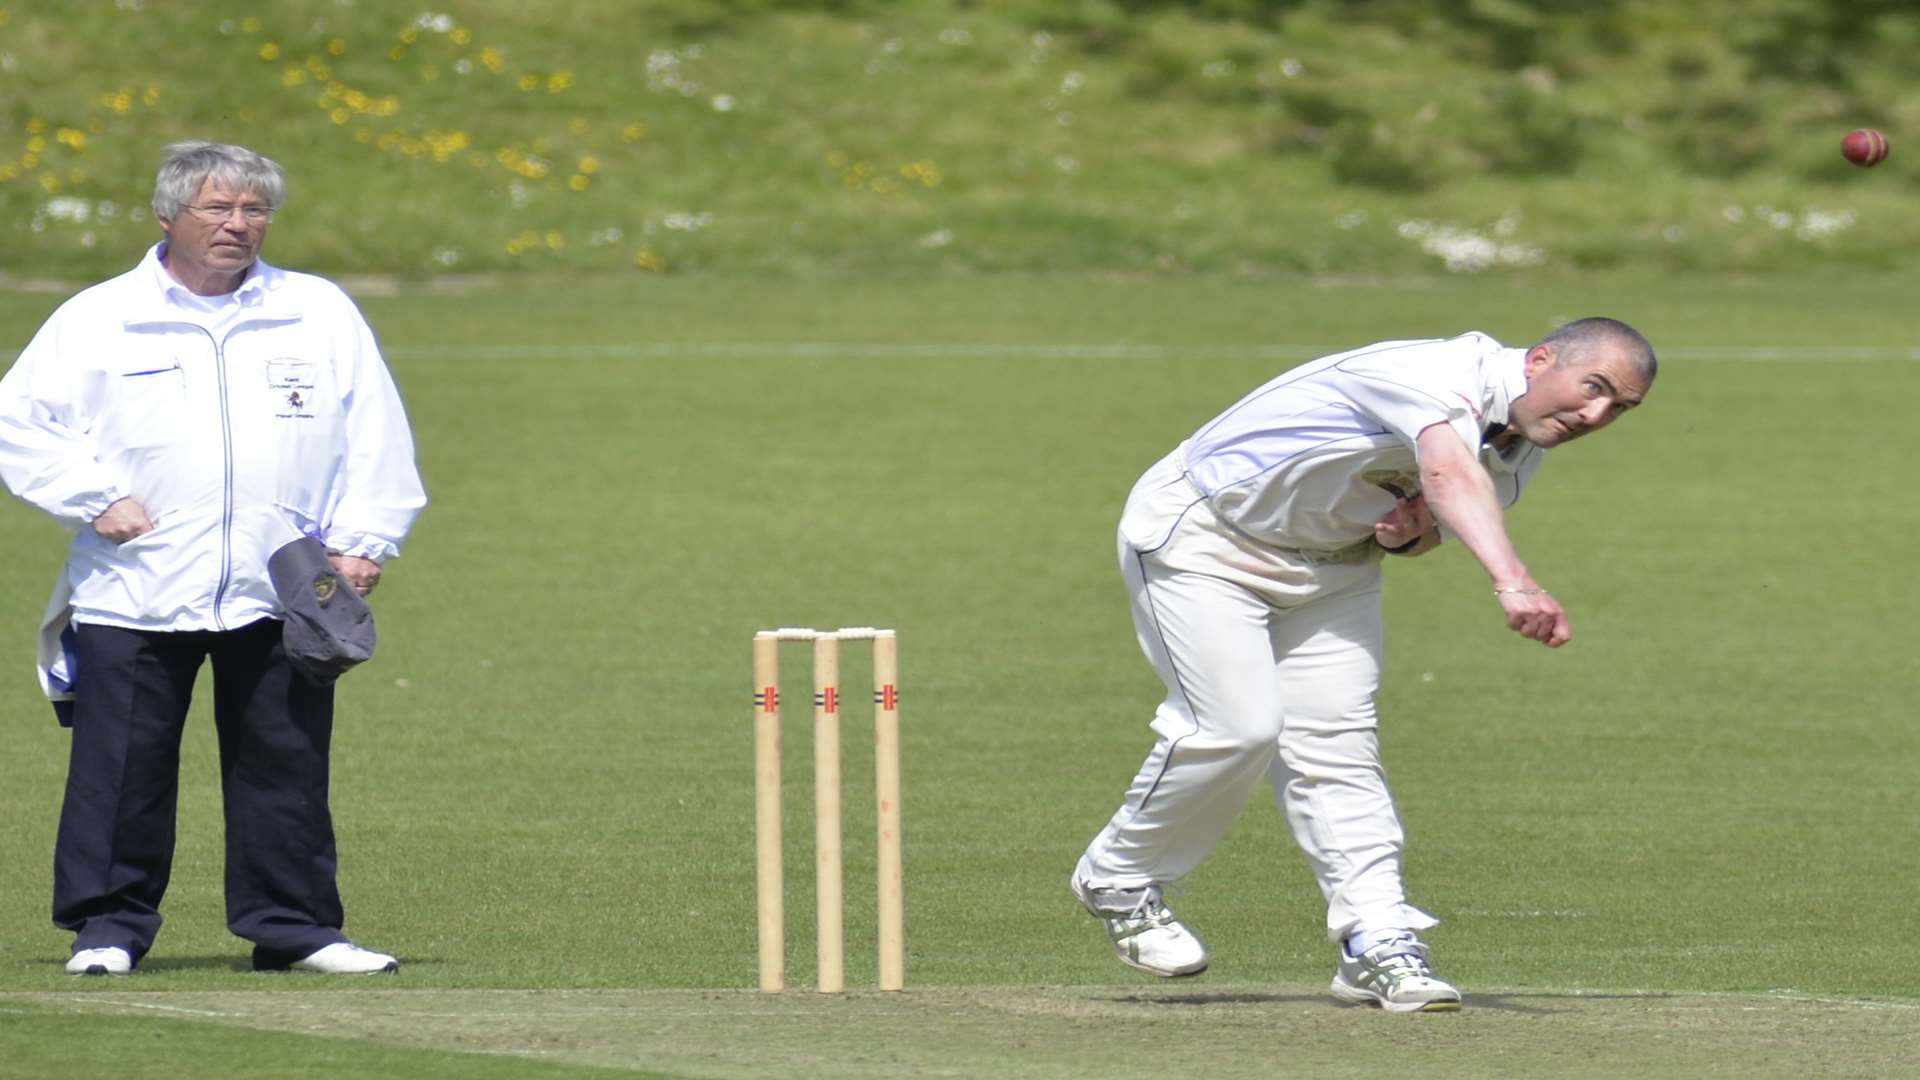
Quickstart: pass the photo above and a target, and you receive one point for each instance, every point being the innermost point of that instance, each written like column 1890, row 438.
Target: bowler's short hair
column 1573, row 342
column 190, row 164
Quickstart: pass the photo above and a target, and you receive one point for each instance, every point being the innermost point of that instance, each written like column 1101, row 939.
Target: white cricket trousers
column 1271, row 659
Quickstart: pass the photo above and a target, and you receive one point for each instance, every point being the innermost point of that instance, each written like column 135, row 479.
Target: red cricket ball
column 1864, row 146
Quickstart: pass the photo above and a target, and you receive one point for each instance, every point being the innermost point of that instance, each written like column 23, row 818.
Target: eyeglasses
column 254, row 215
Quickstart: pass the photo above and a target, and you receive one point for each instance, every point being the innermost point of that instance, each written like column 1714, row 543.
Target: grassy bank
column 943, row 137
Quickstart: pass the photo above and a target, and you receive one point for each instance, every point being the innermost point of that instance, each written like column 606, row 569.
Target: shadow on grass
column 1521, row 1004
column 1217, row 999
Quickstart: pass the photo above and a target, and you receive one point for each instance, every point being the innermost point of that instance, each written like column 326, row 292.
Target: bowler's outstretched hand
column 1532, row 612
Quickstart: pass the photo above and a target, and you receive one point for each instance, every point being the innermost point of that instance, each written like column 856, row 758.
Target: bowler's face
column 1566, row 401
column 216, row 250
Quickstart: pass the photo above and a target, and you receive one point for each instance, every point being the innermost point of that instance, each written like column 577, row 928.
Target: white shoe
column 346, row 958
column 1145, row 934
column 108, row 961
column 1395, row 976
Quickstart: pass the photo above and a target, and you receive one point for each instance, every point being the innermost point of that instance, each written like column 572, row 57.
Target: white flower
column 938, row 238
column 1466, row 251
column 67, row 208
column 1816, row 223
column 723, row 103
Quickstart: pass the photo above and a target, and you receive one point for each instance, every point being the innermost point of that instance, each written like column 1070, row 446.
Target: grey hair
column 1573, row 341
column 190, row 164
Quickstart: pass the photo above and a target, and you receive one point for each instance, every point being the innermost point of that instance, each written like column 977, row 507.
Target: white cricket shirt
column 1314, row 458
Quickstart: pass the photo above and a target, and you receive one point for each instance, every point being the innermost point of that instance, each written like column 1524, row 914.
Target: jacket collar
column 261, row 293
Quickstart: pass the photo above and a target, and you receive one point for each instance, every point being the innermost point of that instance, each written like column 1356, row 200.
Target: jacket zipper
column 226, row 505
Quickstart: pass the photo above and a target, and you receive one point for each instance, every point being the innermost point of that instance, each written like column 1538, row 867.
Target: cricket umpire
column 188, row 419
column 1252, row 555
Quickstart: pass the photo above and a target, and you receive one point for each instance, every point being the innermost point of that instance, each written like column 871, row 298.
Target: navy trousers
column 114, row 853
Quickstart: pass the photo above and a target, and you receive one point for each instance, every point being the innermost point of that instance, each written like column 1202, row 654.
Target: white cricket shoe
column 346, row 958
column 107, row 961
column 1145, row 934
column 1395, row 976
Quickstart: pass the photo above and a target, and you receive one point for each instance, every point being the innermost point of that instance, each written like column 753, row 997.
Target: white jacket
column 284, row 422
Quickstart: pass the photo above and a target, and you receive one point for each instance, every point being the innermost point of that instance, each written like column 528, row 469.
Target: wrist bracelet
column 1518, row 591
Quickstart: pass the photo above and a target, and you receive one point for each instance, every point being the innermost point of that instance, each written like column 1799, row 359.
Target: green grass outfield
column 1683, row 846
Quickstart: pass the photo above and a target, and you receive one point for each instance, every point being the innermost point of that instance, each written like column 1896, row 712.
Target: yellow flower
column 5, row 16
column 648, row 259
column 428, row 73
column 409, row 36
column 292, row 76
column 337, row 47
column 36, row 125
column 339, row 116
column 634, row 132
column 50, row 182
column 269, row 51
column 460, row 35
column 398, row 52
column 71, row 137
column 922, row 171
column 151, row 95
column 559, row 81
column 9, row 172
column 578, row 182
column 837, row 160
column 250, row 24
column 556, row 240
column 492, row 60
column 589, row 165
column 529, row 82
column 36, row 144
